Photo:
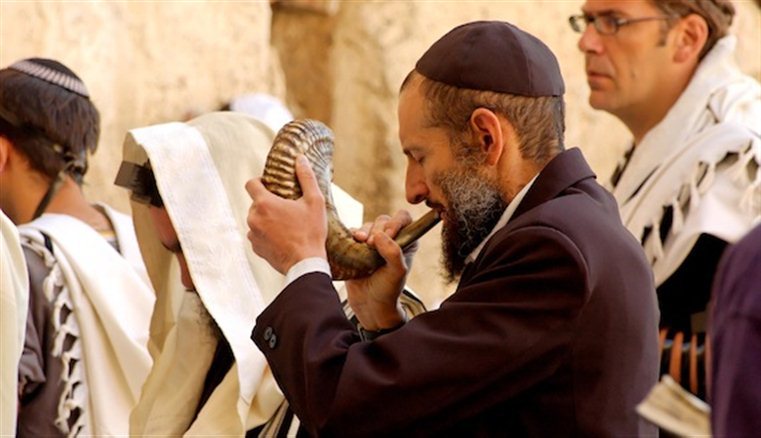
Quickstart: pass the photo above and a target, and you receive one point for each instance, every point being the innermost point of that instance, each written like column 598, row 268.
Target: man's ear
column 691, row 36
column 488, row 132
column 5, row 152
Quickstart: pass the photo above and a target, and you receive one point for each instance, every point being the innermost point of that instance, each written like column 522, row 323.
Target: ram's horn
column 348, row 258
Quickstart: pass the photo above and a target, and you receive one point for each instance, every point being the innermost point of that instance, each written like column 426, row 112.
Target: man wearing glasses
column 689, row 182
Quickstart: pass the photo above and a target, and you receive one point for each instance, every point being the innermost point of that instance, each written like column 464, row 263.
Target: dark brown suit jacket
column 552, row 331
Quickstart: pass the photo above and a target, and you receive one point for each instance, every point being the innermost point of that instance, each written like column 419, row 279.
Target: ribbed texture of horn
column 348, row 258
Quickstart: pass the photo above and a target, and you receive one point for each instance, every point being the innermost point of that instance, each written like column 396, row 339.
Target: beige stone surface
column 321, row 6
column 304, row 41
column 340, row 61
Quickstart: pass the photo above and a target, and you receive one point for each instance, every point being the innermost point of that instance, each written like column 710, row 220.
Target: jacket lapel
column 563, row 171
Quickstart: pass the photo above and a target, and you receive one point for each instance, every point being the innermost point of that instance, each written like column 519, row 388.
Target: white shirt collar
column 506, row 215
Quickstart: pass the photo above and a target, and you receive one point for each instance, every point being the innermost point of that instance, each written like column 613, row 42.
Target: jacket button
column 268, row 332
column 273, row 340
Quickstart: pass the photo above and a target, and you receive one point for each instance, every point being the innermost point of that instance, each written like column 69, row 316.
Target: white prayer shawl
column 110, row 299
column 703, row 159
column 201, row 168
column 14, row 303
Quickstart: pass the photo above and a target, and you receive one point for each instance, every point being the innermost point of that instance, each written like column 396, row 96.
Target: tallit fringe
column 694, row 200
column 702, row 178
column 654, row 246
column 740, row 171
column 678, row 218
column 740, row 168
column 751, row 198
column 53, row 281
column 77, row 397
column 708, row 178
column 74, row 394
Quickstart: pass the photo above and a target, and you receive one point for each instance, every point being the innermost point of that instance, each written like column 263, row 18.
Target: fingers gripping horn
column 348, row 258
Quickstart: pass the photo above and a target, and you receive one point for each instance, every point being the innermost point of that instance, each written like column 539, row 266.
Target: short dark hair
column 718, row 15
column 51, row 125
column 140, row 180
column 539, row 122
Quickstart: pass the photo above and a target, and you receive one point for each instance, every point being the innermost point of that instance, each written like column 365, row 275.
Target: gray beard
column 474, row 207
column 209, row 324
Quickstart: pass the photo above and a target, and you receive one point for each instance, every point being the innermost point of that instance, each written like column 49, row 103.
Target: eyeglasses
column 605, row 24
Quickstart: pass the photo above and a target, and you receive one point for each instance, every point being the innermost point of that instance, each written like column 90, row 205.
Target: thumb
column 307, row 179
column 389, row 250
column 255, row 188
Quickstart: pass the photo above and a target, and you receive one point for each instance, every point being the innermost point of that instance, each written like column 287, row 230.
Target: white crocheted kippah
column 47, row 74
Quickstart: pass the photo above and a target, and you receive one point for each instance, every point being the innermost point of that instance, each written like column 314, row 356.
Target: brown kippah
column 493, row 56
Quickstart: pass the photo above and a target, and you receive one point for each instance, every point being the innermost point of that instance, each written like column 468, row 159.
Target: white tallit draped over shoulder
column 702, row 160
column 109, row 300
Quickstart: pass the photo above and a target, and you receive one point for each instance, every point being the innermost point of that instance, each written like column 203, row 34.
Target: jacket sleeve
column 506, row 328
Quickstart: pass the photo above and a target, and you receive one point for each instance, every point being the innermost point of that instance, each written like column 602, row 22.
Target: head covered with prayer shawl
column 199, row 170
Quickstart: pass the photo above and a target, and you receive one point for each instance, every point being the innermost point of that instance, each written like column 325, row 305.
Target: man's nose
column 416, row 190
column 590, row 41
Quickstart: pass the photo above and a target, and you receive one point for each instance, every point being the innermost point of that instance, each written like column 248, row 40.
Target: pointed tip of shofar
column 417, row 229
column 348, row 258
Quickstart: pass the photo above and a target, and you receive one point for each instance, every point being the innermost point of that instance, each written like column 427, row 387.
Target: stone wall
column 337, row 61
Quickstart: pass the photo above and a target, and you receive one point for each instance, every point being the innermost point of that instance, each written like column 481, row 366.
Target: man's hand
column 283, row 231
column 375, row 299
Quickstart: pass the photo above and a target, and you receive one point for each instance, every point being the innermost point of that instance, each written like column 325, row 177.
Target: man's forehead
column 616, row 6
column 411, row 109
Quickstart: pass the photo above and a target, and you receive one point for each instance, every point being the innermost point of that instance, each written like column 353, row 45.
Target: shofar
column 348, row 258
